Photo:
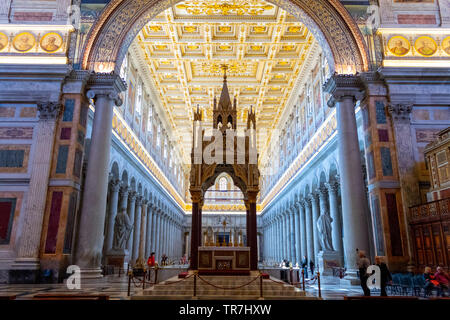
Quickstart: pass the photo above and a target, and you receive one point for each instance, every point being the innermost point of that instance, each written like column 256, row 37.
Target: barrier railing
column 138, row 282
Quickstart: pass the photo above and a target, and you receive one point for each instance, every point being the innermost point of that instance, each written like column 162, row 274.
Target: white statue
column 324, row 228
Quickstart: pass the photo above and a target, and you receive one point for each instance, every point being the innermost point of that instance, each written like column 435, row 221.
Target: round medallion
column 425, row 46
column 3, row 41
column 24, row 42
column 399, row 46
column 446, row 45
column 51, row 42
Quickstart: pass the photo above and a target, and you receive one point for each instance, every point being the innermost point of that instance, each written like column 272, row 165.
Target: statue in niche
column 122, row 230
column 324, row 229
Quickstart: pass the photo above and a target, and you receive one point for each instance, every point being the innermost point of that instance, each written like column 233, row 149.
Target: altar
column 224, row 258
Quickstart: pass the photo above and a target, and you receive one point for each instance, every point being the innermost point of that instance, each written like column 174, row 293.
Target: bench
column 65, row 296
column 378, row 298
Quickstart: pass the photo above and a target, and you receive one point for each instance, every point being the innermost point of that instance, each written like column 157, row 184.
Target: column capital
column 312, row 197
column 132, row 195
column 400, row 111
column 332, row 186
column 322, row 191
column 49, row 110
column 123, row 189
column 344, row 85
column 106, row 84
column 139, row 199
column 115, row 185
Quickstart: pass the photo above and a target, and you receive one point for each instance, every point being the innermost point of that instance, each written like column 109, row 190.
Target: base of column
column 25, row 270
column 351, row 278
column 326, row 260
column 91, row 275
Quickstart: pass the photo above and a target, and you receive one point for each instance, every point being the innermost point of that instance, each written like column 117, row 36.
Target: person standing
column 443, row 279
column 430, row 281
column 363, row 264
column 385, row 276
column 304, row 265
column 311, row 267
column 151, row 260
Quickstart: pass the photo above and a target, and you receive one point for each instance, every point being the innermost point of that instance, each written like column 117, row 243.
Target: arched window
column 139, row 100
column 223, row 184
column 165, row 148
column 158, row 136
column 150, row 119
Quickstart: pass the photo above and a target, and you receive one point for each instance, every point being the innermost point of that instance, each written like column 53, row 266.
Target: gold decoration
column 446, row 45
column 24, row 42
column 161, row 47
column 220, row 7
column 287, row 48
column 256, row 48
column 224, row 29
column 232, row 68
column 155, row 28
column 399, row 46
column 3, row 41
column 425, row 46
column 193, row 47
column 51, row 42
column 190, row 29
column 225, row 47
column 259, row 29
column 294, row 29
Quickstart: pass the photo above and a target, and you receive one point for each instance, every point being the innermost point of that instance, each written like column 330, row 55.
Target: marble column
column 297, row 230
column 149, row 233
column 407, row 166
column 346, row 90
column 292, row 256
column 336, row 227
column 285, row 235
column 114, row 199
column 141, row 259
column 303, row 226
column 136, row 229
column 131, row 213
column 103, row 89
column 309, row 229
column 33, row 214
column 123, row 192
column 4, row 11
column 277, row 238
column 314, row 197
column 157, row 241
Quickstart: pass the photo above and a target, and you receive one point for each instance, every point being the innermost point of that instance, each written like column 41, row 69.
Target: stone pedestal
column 116, row 258
column 326, row 260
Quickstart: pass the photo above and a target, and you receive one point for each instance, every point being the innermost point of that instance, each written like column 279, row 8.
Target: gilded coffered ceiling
column 263, row 46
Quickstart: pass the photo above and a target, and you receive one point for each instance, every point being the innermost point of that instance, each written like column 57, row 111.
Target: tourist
column 363, row 263
column 443, row 280
column 151, row 260
column 163, row 259
column 385, row 277
column 430, row 281
column 304, row 265
column 311, row 267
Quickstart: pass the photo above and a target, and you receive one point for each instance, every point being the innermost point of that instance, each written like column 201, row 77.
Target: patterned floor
column 117, row 289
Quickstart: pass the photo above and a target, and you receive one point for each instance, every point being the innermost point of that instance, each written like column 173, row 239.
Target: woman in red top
column 151, row 260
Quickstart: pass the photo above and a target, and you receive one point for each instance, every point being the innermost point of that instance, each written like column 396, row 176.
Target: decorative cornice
column 106, row 84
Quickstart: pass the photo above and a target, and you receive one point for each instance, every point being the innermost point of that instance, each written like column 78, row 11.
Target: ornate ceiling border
column 328, row 20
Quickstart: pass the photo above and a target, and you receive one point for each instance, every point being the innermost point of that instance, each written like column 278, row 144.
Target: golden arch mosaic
column 328, row 20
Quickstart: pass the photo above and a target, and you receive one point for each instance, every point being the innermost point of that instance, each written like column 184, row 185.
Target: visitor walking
column 385, row 276
column 363, row 263
column 443, row 279
column 304, row 265
column 430, row 281
column 312, row 267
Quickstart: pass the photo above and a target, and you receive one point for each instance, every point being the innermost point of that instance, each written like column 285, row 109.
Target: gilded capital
column 344, row 85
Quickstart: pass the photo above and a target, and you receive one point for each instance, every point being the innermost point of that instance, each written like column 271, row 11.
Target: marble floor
column 117, row 287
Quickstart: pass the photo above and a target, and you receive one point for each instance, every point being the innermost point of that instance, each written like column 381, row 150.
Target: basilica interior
column 115, row 115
